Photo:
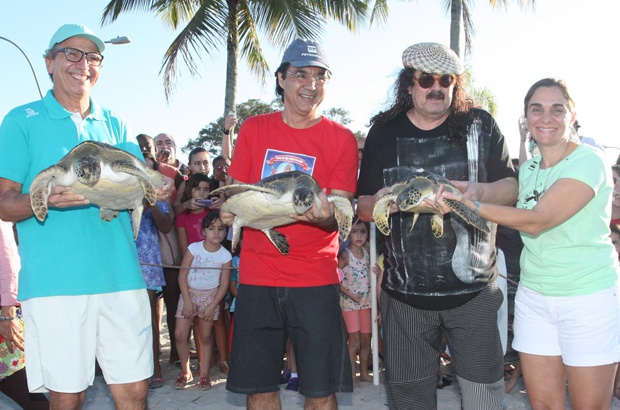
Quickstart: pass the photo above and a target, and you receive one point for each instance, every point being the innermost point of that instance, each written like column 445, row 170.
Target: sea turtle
column 108, row 177
column 409, row 197
column 271, row 201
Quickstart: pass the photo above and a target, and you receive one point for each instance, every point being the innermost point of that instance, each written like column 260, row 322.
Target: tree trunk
column 456, row 21
column 232, row 58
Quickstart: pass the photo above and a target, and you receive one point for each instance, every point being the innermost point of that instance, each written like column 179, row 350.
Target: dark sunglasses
column 427, row 80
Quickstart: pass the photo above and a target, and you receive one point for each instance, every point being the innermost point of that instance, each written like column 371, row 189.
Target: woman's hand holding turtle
column 454, row 197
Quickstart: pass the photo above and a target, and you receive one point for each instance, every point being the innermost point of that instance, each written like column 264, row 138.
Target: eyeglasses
column 427, row 80
column 303, row 76
column 75, row 56
column 222, row 167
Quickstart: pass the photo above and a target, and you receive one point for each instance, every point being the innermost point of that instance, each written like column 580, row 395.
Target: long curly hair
column 461, row 109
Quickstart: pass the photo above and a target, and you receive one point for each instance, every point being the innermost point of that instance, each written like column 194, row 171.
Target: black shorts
column 265, row 316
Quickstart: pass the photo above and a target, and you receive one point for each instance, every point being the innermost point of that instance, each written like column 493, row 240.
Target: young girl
column 197, row 188
column 188, row 222
column 202, row 290
column 199, row 163
column 354, row 262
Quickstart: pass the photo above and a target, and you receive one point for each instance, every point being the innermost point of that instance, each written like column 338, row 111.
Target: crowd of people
column 87, row 287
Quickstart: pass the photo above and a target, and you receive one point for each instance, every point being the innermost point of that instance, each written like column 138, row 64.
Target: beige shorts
column 64, row 335
column 201, row 299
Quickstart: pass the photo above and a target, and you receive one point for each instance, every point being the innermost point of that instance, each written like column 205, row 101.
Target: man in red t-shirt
column 295, row 295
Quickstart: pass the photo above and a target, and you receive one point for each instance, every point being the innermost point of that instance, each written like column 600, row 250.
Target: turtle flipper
column 381, row 213
column 40, row 189
column 467, row 214
column 278, row 239
column 437, row 225
column 107, row 214
column 143, row 179
column 416, row 215
column 236, row 233
column 136, row 218
column 343, row 211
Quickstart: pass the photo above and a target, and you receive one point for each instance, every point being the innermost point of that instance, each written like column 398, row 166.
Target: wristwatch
column 3, row 318
column 226, row 132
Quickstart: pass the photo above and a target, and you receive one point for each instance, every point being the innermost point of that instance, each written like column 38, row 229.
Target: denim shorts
column 266, row 316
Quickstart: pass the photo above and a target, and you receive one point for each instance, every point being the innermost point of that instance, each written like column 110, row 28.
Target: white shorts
column 584, row 330
column 64, row 335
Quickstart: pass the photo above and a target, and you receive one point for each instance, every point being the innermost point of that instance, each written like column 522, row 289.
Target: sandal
column 155, row 382
column 204, row 384
column 224, row 367
column 182, row 380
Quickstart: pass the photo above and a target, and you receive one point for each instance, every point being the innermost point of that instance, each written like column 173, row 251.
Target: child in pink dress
column 354, row 262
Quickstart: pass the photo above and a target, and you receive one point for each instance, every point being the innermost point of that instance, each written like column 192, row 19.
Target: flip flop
column 155, row 382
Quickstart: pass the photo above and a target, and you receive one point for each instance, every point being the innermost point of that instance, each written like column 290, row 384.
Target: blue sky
column 570, row 39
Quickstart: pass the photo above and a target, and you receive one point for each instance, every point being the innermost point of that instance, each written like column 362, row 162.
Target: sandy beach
column 365, row 397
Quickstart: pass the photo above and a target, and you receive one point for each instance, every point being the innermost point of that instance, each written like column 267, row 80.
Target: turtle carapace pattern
column 409, row 197
column 270, row 202
column 108, row 177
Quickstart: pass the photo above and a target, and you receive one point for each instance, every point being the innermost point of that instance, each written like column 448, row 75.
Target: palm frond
column 176, row 12
column 468, row 26
column 206, row 31
column 115, row 7
column 251, row 50
column 285, row 20
column 380, row 12
column 349, row 13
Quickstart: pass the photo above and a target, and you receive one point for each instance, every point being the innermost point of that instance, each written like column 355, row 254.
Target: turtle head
column 88, row 170
column 410, row 198
column 303, row 198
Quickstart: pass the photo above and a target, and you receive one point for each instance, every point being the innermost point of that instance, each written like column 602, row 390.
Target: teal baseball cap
column 72, row 30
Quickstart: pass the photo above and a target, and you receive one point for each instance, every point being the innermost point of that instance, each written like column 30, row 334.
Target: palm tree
column 210, row 24
column 460, row 18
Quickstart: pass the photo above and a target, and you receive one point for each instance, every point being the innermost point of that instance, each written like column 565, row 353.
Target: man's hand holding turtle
column 323, row 216
column 164, row 192
column 62, row 197
column 227, row 218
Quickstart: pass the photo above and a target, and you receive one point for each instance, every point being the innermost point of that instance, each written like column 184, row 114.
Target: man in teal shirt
column 82, row 292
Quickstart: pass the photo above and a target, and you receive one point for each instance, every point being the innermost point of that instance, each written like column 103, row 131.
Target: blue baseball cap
column 305, row 53
column 76, row 30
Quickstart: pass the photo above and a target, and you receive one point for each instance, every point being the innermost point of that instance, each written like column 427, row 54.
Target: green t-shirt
column 577, row 256
column 73, row 252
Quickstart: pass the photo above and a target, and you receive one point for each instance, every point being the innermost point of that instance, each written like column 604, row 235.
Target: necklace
column 539, row 190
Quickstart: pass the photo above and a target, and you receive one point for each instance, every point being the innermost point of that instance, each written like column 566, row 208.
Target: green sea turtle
column 271, row 201
column 409, row 197
column 108, row 177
